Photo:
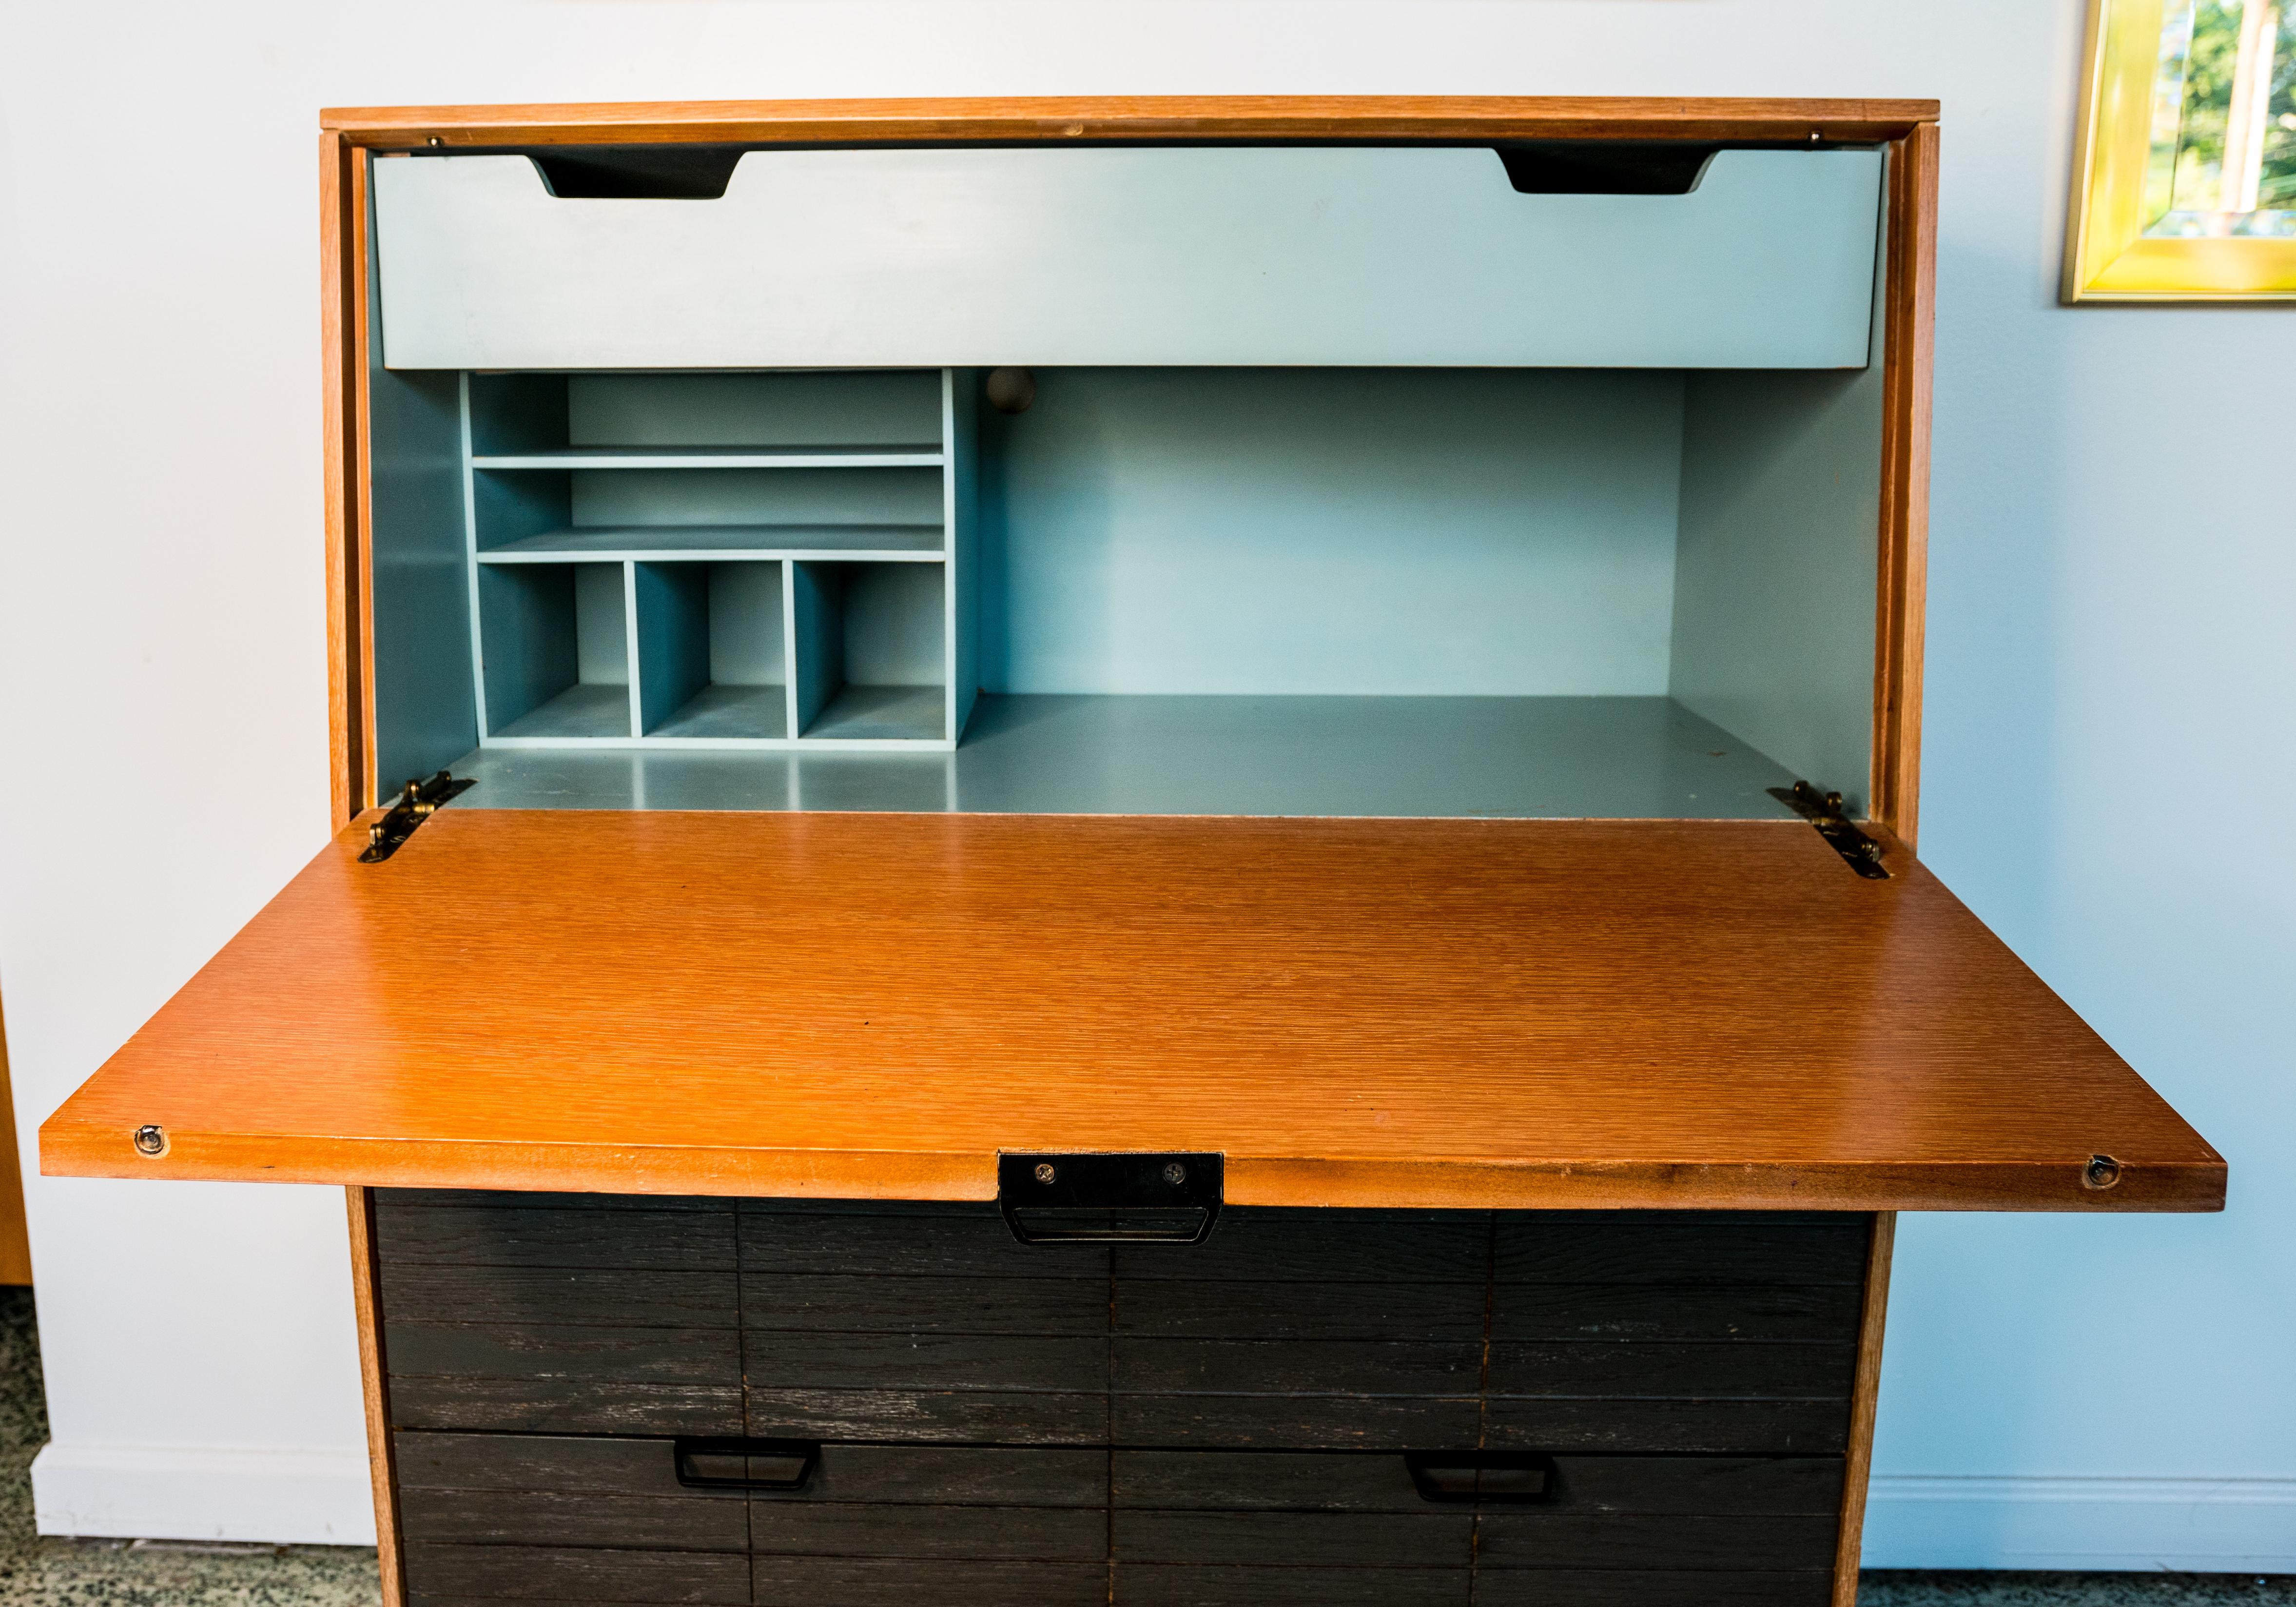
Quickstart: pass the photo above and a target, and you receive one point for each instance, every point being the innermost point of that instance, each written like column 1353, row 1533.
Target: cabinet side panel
column 418, row 623
column 1777, row 564
column 340, row 237
column 1909, row 308
column 381, row 1458
column 1865, row 1395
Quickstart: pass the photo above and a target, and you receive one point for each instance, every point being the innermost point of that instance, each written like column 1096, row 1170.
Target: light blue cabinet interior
column 1335, row 591
column 1106, row 256
column 1235, row 577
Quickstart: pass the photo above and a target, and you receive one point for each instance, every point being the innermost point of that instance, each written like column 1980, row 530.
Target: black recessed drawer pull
column 1102, row 1199
column 746, row 1464
column 1521, row 1477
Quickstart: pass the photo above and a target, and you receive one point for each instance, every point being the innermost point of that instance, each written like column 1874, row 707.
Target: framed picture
column 2185, row 176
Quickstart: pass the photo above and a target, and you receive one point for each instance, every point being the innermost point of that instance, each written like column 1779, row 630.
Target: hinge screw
column 151, row 1140
column 1045, row 1173
column 1175, row 1174
column 2103, row 1171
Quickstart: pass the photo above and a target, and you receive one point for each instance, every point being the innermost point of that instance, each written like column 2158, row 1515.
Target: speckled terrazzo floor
column 83, row 1573
column 79, row 1573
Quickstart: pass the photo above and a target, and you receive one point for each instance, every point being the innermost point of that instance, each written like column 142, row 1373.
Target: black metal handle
column 1104, row 1199
column 734, row 1465
column 1518, row 1477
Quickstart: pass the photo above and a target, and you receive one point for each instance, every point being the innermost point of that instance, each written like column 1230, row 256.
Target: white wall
column 2114, row 565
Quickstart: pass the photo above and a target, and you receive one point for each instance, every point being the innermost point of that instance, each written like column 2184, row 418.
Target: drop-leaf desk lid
column 1425, row 1012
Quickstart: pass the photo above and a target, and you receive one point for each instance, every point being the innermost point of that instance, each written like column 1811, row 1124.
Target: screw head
column 1175, row 1174
column 1045, row 1173
column 151, row 1140
column 2103, row 1171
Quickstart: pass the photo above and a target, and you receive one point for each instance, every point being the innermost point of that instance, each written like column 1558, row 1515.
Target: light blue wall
column 2110, row 746
column 2111, row 672
column 1332, row 531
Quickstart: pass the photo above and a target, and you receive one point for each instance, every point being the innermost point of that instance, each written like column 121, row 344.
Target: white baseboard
column 174, row 1493
column 1912, row 1520
column 2107, row 1525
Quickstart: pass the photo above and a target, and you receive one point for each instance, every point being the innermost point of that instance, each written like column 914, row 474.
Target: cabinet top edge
column 1147, row 117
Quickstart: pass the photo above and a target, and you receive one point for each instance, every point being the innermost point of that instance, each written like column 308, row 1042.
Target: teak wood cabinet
column 1288, row 969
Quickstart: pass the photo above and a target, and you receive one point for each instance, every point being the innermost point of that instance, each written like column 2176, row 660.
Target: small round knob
column 2103, row 1171
column 1175, row 1174
column 1045, row 1172
column 151, row 1140
column 1010, row 390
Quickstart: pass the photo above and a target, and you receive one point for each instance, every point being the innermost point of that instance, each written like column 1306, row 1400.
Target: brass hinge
column 414, row 805
column 1824, row 811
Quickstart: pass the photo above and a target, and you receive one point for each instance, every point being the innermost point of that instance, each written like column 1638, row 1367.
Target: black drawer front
column 1304, row 1329
column 547, row 1490
column 560, row 1313
column 1650, row 1588
column 1598, row 1332
column 927, row 1323
column 445, row 1571
column 1187, row 1526
column 788, row 1581
column 1185, row 1584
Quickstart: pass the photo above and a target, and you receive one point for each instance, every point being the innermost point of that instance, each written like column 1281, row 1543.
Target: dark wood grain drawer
column 871, row 1239
column 1197, row 1585
column 1649, row 1587
column 568, row 1380
column 437, row 1569
column 547, row 1490
column 560, row 1313
column 946, row 1327
column 1777, row 1248
column 1303, row 1329
column 796, row 1581
column 939, row 1524
column 1264, row 1244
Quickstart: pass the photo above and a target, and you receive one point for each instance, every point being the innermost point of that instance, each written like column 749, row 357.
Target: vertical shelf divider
column 636, row 658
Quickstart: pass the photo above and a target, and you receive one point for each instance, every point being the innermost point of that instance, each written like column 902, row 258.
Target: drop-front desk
column 1178, row 864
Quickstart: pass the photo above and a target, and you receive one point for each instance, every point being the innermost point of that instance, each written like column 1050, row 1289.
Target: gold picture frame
column 2184, row 173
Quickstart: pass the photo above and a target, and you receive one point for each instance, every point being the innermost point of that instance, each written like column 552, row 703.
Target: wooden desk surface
column 1430, row 1013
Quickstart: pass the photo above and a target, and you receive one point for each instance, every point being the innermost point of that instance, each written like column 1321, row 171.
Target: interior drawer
column 1209, row 255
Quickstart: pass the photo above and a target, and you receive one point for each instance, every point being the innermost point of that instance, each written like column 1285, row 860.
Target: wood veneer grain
column 1364, row 1012
column 1901, row 594
column 1129, row 116
column 340, row 299
column 375, row 1386
column 1864, row 1398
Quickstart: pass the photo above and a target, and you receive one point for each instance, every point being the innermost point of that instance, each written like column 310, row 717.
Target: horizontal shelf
column 718, row 457
column 877, row 714
column 1616, row 758
column 722, row 713
column 874, row 543
column 583, row 712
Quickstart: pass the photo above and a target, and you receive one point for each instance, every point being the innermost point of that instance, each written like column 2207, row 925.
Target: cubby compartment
column 698, row 493
column 870, row 651
column 554, row 655
column 711, row 665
